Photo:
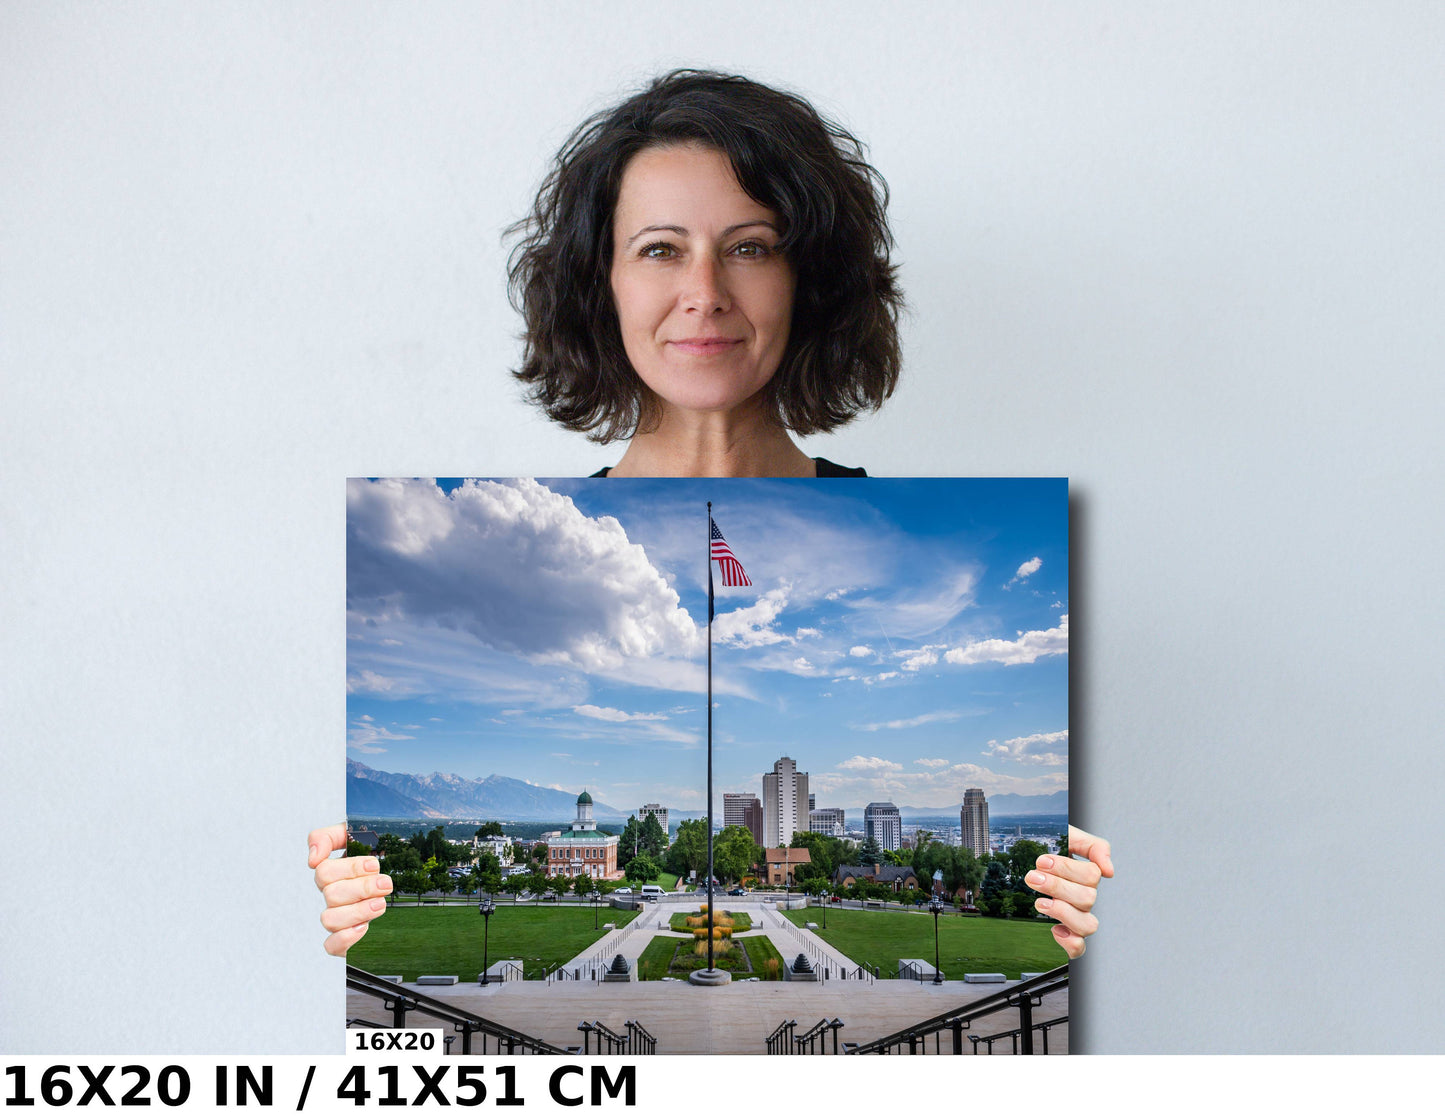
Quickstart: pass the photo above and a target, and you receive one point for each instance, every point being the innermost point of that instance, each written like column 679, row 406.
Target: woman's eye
column 751, row 249
column 657, row 251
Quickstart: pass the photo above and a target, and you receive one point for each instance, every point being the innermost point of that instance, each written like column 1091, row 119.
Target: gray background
column 1188, row 256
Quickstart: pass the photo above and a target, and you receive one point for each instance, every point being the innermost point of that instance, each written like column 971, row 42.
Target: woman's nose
column 705, row 287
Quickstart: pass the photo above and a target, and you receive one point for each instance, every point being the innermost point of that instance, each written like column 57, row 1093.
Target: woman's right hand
column 355, row 888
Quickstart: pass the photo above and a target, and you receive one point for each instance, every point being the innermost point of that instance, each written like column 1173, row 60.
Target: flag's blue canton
column 733, row 573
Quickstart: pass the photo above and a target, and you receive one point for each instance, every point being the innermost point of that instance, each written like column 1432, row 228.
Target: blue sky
column 903, row 639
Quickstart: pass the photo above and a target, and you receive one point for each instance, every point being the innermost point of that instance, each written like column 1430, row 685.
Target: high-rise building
column 883, row 823
column 827, row 820
column 658, row 812
column 812, row 802
column 973, row 821
column 743, row 809
column 785, row 795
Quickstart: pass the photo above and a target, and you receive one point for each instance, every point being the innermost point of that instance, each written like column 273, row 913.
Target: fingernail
column 1046, row 862
column 1035, row 879
column 313, row 854
column 378, row 905
column 372, row 865
column 1043, row 904
column 383, row 883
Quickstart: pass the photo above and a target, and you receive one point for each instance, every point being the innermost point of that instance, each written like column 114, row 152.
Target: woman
column 704, row 274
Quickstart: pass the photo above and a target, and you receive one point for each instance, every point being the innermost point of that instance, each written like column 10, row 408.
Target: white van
column 652, row 892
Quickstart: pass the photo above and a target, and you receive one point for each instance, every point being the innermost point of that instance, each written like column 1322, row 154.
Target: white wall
column 1188, row 256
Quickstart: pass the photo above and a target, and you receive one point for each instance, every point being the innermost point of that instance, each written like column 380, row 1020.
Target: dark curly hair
column 843, row 353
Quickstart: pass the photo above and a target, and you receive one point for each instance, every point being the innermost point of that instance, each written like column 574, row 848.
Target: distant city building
column 785, row 790
column 657, row 812
column 741, row 808
column 584, row 850
column 827, row 820
column 882, row 823
column 812, row 802
column 973, row 822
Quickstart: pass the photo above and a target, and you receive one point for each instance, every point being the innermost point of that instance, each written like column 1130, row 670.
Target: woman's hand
column 1070, row 888
column 354, row 887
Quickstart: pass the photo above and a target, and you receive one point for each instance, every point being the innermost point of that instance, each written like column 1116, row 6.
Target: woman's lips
column 705, row 346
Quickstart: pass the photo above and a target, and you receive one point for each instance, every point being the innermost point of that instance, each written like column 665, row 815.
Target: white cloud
column 858, row 651
column 752, row 625
column 1050, row 749
column 513, row 564
column 869, row 764
column 925, row 657
column 1029, row 647
column 1024, row 570
column 802, row 633
column 607, row 713
column 802, row 664
column 911, row 723
column 364, row 733
column 932, row 762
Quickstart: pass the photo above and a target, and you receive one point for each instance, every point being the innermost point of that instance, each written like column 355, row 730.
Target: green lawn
column 966, row 945
column 667, row 880
column 448, row 940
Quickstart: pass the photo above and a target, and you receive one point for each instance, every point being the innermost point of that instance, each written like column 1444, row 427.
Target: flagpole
column 709, row 737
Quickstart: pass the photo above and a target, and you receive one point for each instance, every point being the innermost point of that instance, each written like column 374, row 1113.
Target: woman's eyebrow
column 680, row 231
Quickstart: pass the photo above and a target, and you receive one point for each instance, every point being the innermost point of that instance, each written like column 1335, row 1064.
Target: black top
column 825, row 469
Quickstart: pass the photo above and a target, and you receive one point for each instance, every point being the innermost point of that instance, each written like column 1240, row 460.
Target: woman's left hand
column 1070, row 887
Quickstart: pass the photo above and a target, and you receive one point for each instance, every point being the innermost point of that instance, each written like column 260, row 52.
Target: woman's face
column 703, row 296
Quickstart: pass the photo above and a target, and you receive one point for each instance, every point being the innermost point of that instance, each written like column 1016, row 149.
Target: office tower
column 785, row 790
column 744, row 809
column 657, row 811
column 882, row 823
column 973, row 822
column 827, row 820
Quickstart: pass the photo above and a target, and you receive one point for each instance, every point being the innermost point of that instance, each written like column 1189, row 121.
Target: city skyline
column 903, row 639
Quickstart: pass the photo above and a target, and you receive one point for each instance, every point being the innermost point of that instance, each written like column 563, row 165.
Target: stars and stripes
column 733, row 573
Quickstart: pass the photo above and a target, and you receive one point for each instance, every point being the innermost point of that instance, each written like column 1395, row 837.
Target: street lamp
column 486, row 907
column 596, row 895
column 935, row 905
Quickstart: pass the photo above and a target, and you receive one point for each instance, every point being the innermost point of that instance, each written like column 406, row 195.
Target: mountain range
column 375, row 794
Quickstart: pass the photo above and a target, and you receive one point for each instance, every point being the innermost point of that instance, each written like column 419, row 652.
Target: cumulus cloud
column 913, row 722
column 514, row 565
column 932, row 762
column 752, row 625
column 1029, row 647
column 924, row 657
column 860, row 650
column 869, row 764
column 1024, row 570
column 1050, row 749
column 607, row 713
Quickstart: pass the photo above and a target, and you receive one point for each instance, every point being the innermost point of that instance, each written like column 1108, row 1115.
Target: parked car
column 623, row 892
column 737, row 891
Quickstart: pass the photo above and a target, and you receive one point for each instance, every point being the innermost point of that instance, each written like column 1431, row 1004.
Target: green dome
column 584, row 798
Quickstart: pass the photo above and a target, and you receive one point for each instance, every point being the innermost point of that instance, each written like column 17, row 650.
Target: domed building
column 583, row 850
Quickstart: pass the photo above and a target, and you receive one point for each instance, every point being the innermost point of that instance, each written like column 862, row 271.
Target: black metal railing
column 1023, row 998
column 398, row 1000
column 640, row 1040
column 614, row 1043
column 1014, row 1035
column 781, row 1041
column 909, row 972
column 814, row 1040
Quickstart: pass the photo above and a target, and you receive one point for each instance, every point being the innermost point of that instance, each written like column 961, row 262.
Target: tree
column 654, row 838
column 539, row 852
column 734, row 853
column 436, row 872
column 357, row 849
column 688, row 852
column 583, row 885
column 402, row 859
column 1022, row 856
column 869, row 853
column 413, row 880
column 995, row 890
column 490, row 830
column 643, row 868
column 629, row 844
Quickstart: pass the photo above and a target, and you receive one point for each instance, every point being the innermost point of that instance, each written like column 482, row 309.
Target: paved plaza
column 733, row 1019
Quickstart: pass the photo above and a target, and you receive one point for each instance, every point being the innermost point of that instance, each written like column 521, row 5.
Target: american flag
column 733, row 573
